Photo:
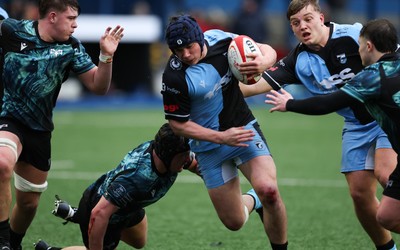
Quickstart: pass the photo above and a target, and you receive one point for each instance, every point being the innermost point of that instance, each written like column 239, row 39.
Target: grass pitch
column 306, row 150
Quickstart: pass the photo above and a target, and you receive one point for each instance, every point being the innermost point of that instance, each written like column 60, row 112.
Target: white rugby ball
column 238, row 50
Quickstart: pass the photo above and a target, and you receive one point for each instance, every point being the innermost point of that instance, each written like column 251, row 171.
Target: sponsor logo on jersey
column 23, row 46
column 165, row 88
column 171, row 107
column 56, row 52
column 336, row 79
column 118, row 191
column 3, row 126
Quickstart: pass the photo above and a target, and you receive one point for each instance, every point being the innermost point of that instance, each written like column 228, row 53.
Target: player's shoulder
column 174, row 71
column 10, row 25
column 342, row 30
column 214, row 36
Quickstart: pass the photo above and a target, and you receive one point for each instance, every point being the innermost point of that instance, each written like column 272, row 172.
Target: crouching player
column 112, row 208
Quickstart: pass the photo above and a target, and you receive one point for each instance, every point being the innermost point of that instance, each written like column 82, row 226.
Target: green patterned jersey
column 378, row 87
column 34, row 70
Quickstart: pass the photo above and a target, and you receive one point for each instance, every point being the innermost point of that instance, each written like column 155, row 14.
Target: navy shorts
column 36, row 145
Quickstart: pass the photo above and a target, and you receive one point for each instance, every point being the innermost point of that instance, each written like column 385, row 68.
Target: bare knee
column 233, row 222
column 28, row 205
column 6, row 169
column 363, row 197
column 268, row 195
column 233, row 225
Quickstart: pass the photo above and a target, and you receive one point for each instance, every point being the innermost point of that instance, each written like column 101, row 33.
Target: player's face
column 308, row 26
column 65, row 24
column 179, row 161
column 363, row 50
column 190, row 54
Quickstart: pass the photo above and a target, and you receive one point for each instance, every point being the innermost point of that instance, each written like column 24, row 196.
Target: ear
column 370, row 46
column 52, row 17
column 322, row 18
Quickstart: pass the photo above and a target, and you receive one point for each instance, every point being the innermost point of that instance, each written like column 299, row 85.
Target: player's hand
column 253, row 67
column 193, row 166
column 237, row 136
column 279, row 100
column 110, row 40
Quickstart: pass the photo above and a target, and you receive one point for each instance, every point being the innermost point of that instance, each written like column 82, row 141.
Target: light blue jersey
column 306, row 72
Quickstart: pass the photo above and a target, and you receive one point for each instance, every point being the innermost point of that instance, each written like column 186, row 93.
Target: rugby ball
column 238, row 50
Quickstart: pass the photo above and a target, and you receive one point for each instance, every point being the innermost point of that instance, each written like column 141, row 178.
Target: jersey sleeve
column 82, row 62
column 120, row 193
column 282, row 72
column 175, row 95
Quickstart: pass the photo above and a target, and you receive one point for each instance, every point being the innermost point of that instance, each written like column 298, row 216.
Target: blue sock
column 257, row 202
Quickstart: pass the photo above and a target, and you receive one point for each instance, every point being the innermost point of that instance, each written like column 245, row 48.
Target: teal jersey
column 134, row 184
column 34, row 70
column 377, row 86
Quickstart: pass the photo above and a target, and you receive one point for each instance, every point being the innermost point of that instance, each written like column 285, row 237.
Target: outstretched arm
column 317, row 105
column 259, row 64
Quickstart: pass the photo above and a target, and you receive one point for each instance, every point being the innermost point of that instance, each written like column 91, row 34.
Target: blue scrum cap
column 182, row 31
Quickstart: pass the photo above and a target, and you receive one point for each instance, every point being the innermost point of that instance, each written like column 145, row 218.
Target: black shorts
column 113, row 232
column 392, row 188
column 36, row 145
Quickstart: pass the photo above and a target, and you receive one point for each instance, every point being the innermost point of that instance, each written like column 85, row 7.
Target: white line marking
column 68, row 175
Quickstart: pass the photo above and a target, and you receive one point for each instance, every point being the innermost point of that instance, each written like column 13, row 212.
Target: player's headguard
column 182, row 31
column 167, row 144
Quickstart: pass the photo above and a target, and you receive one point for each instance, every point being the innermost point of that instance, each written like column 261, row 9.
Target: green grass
column 306, row 151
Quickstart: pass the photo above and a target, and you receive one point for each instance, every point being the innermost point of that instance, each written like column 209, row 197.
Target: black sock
column 15, row 239
column 4, row 231
column 387, row 246
column 279, row 246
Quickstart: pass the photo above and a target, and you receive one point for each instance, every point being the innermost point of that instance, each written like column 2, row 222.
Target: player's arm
column 98, row 79
column 234, row 136
column 98, row 223
column 259, row 64
column 260, row 87
column 317, row 105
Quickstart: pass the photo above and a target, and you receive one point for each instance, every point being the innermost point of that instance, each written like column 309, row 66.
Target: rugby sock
column 279, row 246
column 16, row 239
column 388, row 246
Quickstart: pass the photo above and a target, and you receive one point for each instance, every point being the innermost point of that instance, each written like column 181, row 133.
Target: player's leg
column 30, row 182
column 10, row 147
column 261, row 173
column 136, row 236
column 362, row 187
column 385, row 163
column 231, row 208
column 388, row 214
column 359, row 147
